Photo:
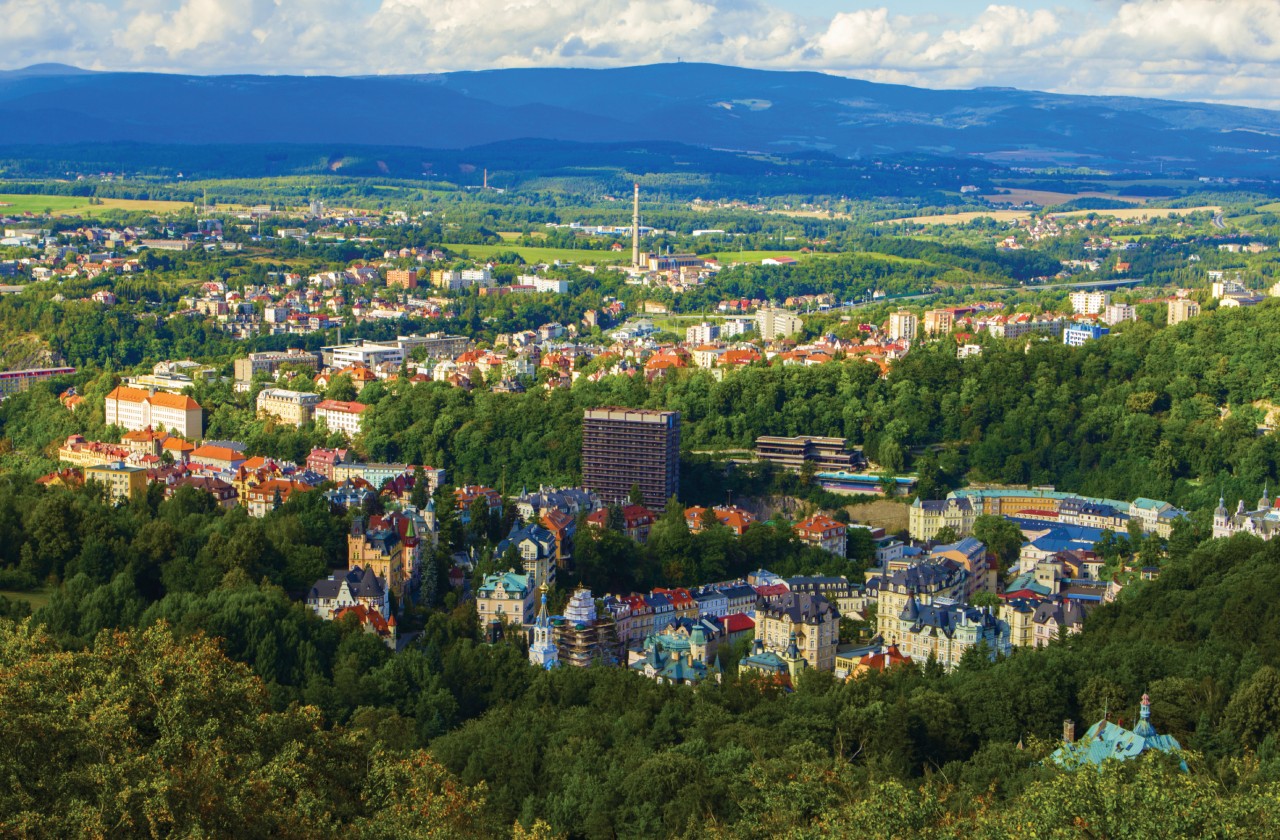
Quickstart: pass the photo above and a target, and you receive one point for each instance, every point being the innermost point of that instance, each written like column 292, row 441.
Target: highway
column 1218, row 223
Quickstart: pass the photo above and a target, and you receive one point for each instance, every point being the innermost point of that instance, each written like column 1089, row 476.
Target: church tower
column 543, row 651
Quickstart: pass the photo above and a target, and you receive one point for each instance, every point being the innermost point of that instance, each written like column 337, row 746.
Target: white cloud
column 1220, row 50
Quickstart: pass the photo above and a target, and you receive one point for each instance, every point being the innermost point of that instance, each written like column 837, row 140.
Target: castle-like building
column 1263, row 523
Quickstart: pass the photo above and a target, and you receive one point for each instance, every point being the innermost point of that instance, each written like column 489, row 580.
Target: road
column 1218, row 223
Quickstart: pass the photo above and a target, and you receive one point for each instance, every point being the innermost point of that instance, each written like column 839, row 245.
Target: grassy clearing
column 540, row 255
column 68, row 205
column 37, row 598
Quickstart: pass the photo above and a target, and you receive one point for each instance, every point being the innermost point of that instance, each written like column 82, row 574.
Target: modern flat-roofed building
column 625, row 447
column 270, row 363
column 827, row 453
column 1182, row 309
column 123, row 482
column 13, row 381
column 361, row 354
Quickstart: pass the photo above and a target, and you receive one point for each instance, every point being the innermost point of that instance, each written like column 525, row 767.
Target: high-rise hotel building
column 624, row 447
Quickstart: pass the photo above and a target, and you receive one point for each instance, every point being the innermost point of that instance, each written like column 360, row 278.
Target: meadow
column 69, row 205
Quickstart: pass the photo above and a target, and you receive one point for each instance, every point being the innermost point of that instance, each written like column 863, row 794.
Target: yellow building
column 811, row 622
column 122, row 481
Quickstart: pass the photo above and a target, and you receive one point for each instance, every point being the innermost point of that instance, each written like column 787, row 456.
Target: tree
column 636, row 496
column 946, row 535
column 419, row 496
column 1001, row 537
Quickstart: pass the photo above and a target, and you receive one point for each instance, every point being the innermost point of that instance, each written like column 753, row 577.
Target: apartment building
column 623, row 448
column 341, row 416
column 1182, row 309
column 270, row 363
column 123, row 482
column 293, row 407
column 903, row 325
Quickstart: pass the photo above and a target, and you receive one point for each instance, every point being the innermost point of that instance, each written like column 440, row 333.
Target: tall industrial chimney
column 635, row 229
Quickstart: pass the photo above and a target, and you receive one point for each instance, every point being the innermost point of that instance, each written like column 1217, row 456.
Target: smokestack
column 635, row 229
column 1068, row 732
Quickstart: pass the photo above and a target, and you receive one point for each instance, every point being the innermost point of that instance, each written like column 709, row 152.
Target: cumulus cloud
column 1219, row 50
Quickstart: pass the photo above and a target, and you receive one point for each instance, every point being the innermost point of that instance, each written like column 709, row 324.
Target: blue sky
column 1210, row 50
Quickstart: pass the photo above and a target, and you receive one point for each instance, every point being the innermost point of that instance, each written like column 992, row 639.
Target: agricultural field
column 1047, row 198
column 1129, row 214
column 68, row 205
column 964, row 218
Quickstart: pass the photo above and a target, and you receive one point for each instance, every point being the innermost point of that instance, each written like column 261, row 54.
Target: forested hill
column 713, row 106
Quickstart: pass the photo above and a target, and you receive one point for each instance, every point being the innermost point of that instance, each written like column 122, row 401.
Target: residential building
column 734, row 518
column 82, row 453
column 849, row 598
column 136, row 409
column 355, row 587
column 435, row 345
column 1078, row 334
column 218, row 457
column 536, row 548
column 122, row 481
column 378, row 546
column 1089, row 303
column 404, row 278
column 902, row 325
column 1051, row 618
column 808, row 619
column 268, row 495
column 637, row 521
column 823, row 532
column 781, row 667
column 223, row 493
column 373, row 622
column 675, row 667
column 926, row 517
column 294, row 408
column 944, row 630
column 777, row 323
column 1117, row 313
column 1182, row 309
column 341, row 416
column 509, row 597
column 939, row 321
column 921, row 582
column 703, row 333
column 624, row 448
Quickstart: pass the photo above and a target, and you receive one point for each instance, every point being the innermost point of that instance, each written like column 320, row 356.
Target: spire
column 1144, row 727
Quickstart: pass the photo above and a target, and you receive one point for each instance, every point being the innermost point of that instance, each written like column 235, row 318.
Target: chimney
column 1068, row 732
column 635, row 229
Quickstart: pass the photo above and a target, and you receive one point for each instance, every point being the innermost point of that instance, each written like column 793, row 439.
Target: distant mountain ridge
column 707, row 105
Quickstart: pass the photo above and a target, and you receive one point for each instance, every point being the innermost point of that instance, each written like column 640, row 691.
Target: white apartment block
column 135, row 409
column 1089, row 303
column 902, row 325
column 703, row 333
column 1115, row 313
column 777, row 323
column 549, row 284
column 341, row 416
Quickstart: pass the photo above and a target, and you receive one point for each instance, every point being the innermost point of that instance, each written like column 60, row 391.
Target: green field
column 539, row 255
column 37, row 598
column 68, row 205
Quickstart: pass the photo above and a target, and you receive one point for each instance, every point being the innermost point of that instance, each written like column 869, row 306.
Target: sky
column 1209, row 50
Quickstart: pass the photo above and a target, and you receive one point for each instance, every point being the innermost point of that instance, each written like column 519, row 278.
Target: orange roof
column 123, row 393
column 818, row 522
column 338, row 405
column 217, row 453
column 177, row 444
column 179, row 401
column 127, row 394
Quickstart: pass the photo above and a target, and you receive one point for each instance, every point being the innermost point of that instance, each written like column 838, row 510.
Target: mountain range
column 701, row 105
